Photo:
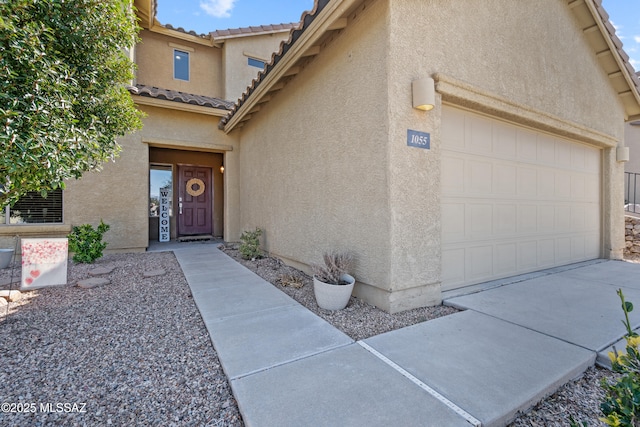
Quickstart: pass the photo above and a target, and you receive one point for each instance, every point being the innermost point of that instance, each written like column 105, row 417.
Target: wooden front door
column 194, row 200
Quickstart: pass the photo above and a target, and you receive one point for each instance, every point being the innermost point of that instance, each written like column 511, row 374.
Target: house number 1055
column 418, row 139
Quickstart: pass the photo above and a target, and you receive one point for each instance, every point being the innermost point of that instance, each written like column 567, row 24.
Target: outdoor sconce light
column 424, row 94
column 622, row 154
column 222, row 169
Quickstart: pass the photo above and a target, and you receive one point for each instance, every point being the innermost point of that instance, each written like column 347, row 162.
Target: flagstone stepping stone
column 154, row 273
column 93, row 282
column 99, row 271
column 9, row 295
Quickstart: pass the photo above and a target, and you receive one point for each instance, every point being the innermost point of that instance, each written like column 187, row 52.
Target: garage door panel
column 478, row 136
column 578, row 161
column 505, row 259
column 546, row 150
column 527, row 146
column 479, row 177
column 546, row 184
column 527, row 182
column 563, row 185
column 546, row 219
column 578, row 219
column 546, row 253
column 504, row 145
column 578, row 249
column 452, row 175
column 563, row 249
column 453, row 261
column 480, row 220
column 514, row 200
column 527, row 255
column 479, row 262
column 505, row 219
column 563, row 155
column 505, row 180
column 453, row 222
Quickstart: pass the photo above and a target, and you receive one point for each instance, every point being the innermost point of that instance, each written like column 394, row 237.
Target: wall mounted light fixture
column 622, row 154
column 424, row 93
column 222, row 169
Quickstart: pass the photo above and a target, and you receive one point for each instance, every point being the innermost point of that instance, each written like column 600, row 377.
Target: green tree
column 63, row 100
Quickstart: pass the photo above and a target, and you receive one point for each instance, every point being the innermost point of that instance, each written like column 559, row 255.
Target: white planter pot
column 5, row 257
column 333, row 297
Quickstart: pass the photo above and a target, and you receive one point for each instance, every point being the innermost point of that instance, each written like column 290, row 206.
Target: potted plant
column 5, row 257
column 332, row 285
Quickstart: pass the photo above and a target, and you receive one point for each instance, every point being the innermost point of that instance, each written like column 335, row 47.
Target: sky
column 203, row 16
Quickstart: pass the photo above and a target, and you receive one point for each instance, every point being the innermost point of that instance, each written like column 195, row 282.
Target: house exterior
column 521, row 171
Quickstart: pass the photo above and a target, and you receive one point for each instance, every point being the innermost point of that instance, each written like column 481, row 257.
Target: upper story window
column 255, row 62
column 32, row 208
column 180, row 65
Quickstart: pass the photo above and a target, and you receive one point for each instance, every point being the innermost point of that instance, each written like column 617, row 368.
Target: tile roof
column 182, row 30
column 234, row 32
column 305, row 21
column 617, row 43
column 308, row 17
column 175, row 96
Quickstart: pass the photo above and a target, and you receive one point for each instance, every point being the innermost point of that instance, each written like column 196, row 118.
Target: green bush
column 250, row 244
column 621, row 406
column 86, row 242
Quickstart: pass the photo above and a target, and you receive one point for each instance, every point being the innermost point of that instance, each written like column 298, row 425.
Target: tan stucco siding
column 154, row 57
column 529, row 53
column 632, row 140
column 237, row 73
column 532, row 53
column 119, row 194
column 314, row 166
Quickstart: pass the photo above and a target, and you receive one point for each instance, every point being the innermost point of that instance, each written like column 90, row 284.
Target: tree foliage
column 63, row 100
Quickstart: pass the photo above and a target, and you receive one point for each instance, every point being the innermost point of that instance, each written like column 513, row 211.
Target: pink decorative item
column 44, row 262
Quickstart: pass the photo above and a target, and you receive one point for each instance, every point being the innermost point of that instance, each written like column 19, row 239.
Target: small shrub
column 250, row 244
column 335, row 265
column 622, row 400
column 86, row 242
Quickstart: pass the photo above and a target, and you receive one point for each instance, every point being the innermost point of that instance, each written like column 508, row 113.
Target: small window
column 32, row 208
column 255, row 62
column 180, row 65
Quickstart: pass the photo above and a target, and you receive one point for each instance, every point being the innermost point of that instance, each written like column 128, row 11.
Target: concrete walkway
column 517, row 341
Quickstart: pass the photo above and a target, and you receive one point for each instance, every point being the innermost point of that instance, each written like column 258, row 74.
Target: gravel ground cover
column 136, row 351
column 133, row 352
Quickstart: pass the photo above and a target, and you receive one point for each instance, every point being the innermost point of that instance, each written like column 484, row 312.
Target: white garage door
column 514, row 200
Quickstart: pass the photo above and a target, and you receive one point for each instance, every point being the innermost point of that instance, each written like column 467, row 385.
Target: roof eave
column 625, row 68
column 330, row 18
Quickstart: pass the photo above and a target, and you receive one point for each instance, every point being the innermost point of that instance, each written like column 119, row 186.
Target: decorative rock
column 93, row 282
column 98, row 271
column 3, row 302
column 10, row 295
column 154, row 273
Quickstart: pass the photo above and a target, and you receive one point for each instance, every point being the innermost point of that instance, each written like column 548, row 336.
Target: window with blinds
column 32, row 208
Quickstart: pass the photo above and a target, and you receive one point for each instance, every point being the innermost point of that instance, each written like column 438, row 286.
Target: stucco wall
column 119, row 194
column 237, row 73
column 359, row 89
column 532, row 53
column 632, row 140
column 154, row 57
column 314, row 169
